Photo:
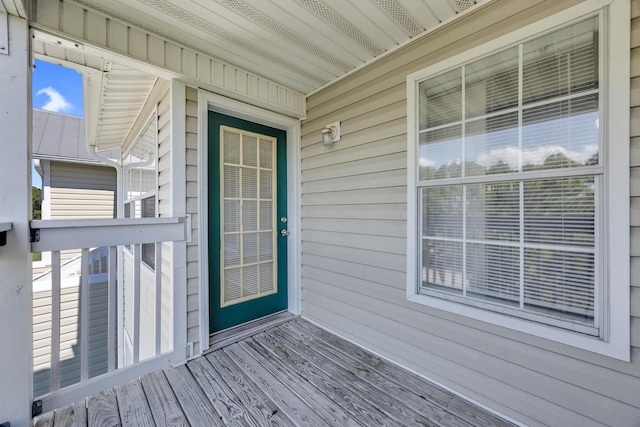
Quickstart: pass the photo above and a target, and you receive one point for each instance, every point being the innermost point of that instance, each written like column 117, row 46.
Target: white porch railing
column 113, row 284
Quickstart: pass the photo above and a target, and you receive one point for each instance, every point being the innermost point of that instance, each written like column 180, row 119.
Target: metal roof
column 61, row 137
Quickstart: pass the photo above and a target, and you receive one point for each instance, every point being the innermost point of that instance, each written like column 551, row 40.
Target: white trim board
column 208, row 101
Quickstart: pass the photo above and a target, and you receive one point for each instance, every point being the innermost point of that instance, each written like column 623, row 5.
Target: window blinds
column 516, row 136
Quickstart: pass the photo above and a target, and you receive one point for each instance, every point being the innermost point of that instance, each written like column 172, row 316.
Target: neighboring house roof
column 61, row 137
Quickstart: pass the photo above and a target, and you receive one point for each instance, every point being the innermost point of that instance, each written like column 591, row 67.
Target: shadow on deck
column 295, row 374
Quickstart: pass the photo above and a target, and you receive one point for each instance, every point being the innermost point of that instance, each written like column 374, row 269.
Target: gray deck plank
column 333, row 413
column 433, row 412
column 257, row 403
column 334, row 388
column 44, row 420
column 389, row 402
column 230, row 408
column 423, row 389
column 162, row 401
column 133, row 406
column 302, row 412
column 195, row 404
column 73, row 415
column 102, row 409
column 292, row 374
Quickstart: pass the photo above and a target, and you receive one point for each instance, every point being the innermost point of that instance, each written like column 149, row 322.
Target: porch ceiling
column 301, row 44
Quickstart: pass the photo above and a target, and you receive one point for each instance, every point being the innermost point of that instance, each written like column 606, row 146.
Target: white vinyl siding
column 70, row 357
column 193, row 279
column 354, row 248
column 635, row 177
column 79, row 191
column 161, row 188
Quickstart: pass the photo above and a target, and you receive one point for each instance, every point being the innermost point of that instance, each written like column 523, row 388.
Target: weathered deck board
column 46, row 420
column 458, row 408
column 337, row 415
column 102, row 409
column 383, row 394
column 335, row 388
column 133, row 405
column 302, row 412
column 164, row 406
column 197, row 408
column 293, row 374
column 74, row 415
column 228, row 406
column 257, row 404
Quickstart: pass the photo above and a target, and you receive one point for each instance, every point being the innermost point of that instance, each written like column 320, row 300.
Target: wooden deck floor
column 292, row 375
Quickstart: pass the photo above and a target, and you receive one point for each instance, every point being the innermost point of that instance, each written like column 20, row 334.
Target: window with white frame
column 140, row 179
column 510, row 183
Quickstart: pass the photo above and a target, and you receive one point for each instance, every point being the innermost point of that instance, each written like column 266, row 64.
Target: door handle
column 284, row 232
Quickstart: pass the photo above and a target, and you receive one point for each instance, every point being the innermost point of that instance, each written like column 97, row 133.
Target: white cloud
column 57, row 103
column 535, row 156
column 427, row 163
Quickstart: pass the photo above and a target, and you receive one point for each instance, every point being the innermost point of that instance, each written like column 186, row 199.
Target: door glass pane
column 231, row 147
column 249, row 150
column 249, row 183
column 248, row 203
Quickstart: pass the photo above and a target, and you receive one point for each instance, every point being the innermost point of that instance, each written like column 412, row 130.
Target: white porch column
column 15, row 206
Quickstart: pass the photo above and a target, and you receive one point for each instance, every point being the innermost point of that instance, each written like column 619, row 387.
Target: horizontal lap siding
column 354, row 248
column 193, row 279
column 635, row 176
column 79, row 191
column 164, row 210
column 70, row 355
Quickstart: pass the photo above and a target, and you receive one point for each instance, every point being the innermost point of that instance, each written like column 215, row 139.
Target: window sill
column 574, row 339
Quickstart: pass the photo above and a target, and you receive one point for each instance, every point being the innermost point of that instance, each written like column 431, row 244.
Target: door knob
column 284, row 232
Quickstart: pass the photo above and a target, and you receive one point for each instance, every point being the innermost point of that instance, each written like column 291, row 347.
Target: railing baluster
column 112, row 306
column 56, row 286
column 84, row 316
column 158, row 307
column 136, row 303
column 58, row 235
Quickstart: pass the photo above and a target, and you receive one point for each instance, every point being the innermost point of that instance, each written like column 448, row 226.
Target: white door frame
column 208, row 101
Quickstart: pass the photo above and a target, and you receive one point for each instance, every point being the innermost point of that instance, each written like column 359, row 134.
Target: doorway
column 247, row 221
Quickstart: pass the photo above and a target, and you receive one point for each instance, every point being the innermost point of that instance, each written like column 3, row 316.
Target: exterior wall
column 635, row 175
column 354, row 247
column 147, row 275
column 81, row 191
column 193, row 280
column 164, row 210
column 76, row 191
column 69, row 334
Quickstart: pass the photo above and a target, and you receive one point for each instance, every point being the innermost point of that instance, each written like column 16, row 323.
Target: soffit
column 124, row 93
column 13, row 7
column 300, row 44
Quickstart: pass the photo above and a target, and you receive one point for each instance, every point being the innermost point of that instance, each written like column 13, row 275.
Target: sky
column 56, row 88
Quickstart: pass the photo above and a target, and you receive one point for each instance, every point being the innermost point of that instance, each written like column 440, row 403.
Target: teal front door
column 247, row 221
